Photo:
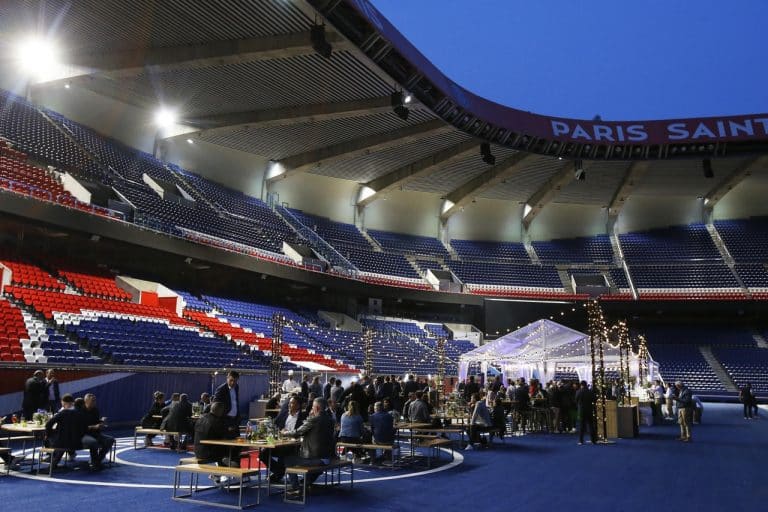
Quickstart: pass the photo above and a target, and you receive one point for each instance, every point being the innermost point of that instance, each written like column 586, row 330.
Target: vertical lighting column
column 368, row 351
column 625, row 348
column 440, row 367
column 276, row 363
column 598, row 332
column 642, row 355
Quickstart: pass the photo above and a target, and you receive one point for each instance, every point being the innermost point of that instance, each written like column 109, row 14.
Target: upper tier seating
column 746, row 239
column 128, row 162
column 753, row 275
column 679, row 243
column 685, row 363
column 506, row 274
column 594, row 249
column 713, row 275
column 31, row 133
column 489, row 250
column 408, row 244
column 12, row 329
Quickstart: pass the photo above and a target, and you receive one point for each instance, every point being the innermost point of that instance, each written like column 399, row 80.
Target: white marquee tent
column 540, row 348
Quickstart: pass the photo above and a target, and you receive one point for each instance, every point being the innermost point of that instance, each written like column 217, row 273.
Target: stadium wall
column 488, row 219
column 747, row 199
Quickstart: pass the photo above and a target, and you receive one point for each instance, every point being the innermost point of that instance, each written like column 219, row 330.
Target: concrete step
column 725, row 379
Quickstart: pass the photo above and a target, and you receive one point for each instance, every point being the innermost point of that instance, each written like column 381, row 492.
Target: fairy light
column 276, row 362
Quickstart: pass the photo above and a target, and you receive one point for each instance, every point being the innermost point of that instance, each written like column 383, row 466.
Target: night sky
column 654, row 59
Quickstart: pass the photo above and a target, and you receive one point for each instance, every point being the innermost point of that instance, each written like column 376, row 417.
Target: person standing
column 52, row 390
column 585, row 410
column 35, row 395
column 327, row 388
column 670, row 401
column 684, row 401
column 229, row 394
column 746, row 397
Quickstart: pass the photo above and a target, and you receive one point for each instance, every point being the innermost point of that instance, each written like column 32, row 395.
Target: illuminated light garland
column 440, row 367
column 276, row 362
column 368, row 351
column 598, row 333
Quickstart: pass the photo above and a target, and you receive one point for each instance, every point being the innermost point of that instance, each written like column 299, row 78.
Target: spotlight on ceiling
column 319, row 43
column 578, row 171
column 408, row 98
column 485, row 152
column 37, row 56
column 706, row 166
column 165, row 117
column 398, row 105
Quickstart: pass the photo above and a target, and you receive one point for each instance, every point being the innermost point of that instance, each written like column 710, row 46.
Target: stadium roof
column 250, row 75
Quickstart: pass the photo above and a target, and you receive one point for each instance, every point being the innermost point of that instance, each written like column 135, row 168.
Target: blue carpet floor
column 722, row 469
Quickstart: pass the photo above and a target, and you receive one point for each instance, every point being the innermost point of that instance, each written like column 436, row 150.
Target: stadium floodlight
column 319, row 43
column 37, row 56
column 398, row 105
column 485, row 152
column 190, row 141
column 165, row 118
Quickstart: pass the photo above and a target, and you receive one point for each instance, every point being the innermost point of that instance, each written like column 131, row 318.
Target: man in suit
column 585, row 403
column 65, row 429
column 327, row 388
column 52, row 390
column 35, row 395
column 288, row 421
column 94, row 439
column 318, row 442
column 211, row 425
column 229, row 394
column 179, row 419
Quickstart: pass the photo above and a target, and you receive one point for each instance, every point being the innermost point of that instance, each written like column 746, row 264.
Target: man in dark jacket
column 318, row 441
column 65, row 430
column 52, row 390
column 179, row 419
column 35, row 395
column 684, row 401
column 211, row 425
column 585, row 410
column 327, row 388
column 229, row 394
column 94, row 439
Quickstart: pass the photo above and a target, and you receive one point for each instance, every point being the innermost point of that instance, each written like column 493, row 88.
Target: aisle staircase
column 725, row 379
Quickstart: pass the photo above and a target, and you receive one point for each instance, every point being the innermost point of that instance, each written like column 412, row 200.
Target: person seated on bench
column 318, row 442
column 152, row 419
column 480, row 422
column 179, row 419
column 352, row 430
column 287, row 421
column 94, row 439
column 211, row 425
column 205, row 402
column 498, row 414
column 65, row 430
column 382, row 428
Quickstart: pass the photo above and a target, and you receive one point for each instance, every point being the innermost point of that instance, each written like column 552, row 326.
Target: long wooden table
column 242, row 443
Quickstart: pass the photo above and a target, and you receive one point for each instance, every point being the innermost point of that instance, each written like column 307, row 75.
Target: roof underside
column 218, row 97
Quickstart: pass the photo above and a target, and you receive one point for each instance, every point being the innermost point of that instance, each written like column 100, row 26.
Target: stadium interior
column 186, row 171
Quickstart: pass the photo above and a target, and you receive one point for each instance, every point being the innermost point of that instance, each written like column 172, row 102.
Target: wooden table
column 407, row 425
column 30, row 429
column 261, row 446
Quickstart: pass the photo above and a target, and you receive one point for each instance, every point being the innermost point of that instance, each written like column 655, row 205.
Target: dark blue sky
column 650, row 59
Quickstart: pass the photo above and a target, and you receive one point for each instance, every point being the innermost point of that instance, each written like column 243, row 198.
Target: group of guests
column 749, row 401
column 41, row 393
column 177, row 415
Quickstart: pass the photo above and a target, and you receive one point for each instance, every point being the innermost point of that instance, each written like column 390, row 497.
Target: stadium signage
column 702, row 130
column 708, row 130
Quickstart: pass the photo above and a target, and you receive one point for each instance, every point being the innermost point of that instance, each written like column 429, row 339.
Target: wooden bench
column 334, row 467
column 47, row 450
column 433, row 446
column 141, row 431
column 371, row 446
column 241, row 475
